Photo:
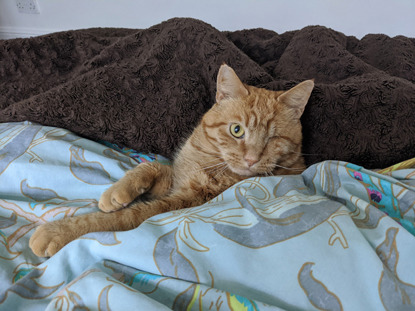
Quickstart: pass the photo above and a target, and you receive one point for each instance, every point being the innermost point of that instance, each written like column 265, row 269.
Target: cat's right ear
column 228, row 84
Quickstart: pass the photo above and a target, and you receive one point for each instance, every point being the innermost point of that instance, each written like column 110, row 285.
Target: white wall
column 353, row 17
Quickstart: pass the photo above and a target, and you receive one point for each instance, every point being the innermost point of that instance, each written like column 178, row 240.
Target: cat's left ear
column 297, row 97
column 229, row 85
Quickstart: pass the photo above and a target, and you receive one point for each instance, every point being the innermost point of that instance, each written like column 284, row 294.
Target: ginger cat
column 248, row 132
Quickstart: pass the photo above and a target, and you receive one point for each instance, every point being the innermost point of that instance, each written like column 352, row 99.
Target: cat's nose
column 251, row 160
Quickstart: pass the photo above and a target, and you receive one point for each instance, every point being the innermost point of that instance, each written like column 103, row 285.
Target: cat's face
column 255, row 130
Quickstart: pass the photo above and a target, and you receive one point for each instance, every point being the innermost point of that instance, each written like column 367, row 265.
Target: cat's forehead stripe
column 270, row 128
column 253, row 119
column 214, row 125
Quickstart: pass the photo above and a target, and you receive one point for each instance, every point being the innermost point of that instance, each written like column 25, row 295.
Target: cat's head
column 255, row 130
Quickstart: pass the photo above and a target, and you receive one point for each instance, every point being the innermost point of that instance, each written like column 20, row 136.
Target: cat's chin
column 244, row 172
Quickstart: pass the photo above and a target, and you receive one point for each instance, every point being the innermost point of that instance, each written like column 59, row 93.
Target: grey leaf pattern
column 104, row 238
column 291, row 223
column 28, row 287
column 17, row 146
column 395, row 294
column 317, row 293
column 39, row 194
column 7, row 222
column 103, row 303
column 91, row 172
column 170, row 261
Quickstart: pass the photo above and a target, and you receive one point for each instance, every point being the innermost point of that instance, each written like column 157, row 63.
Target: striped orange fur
column 248, row 132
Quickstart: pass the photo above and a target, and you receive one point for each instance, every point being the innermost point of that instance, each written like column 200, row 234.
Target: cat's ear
column 297, row 97
column 228, row 84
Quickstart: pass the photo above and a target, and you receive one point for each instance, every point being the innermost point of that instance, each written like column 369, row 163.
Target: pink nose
column 251, row 161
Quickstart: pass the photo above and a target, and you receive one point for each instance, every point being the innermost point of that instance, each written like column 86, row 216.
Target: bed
column 80, row 108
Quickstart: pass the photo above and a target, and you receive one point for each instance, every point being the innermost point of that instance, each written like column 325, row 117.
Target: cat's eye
column 237, row 130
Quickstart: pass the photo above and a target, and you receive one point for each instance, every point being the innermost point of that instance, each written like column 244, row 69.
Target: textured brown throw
column 146, row 89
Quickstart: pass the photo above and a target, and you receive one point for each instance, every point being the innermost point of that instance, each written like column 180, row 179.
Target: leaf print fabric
column 275, row 243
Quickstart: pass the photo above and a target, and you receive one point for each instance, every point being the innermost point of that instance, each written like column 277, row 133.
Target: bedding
column 80, row 108
column 337, row 237
column 147, row 89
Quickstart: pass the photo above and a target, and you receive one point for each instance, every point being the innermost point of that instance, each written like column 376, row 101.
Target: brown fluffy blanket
column 148, row 88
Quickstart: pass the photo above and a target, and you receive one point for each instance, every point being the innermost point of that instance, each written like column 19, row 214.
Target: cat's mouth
column 246, row 172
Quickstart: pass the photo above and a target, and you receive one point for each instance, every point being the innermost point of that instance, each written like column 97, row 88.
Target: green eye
column 237, row 130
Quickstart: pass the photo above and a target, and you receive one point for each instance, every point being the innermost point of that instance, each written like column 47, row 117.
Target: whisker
column 219, row 174
column 268, row 172
column 222, row 168
column 214, row 160
column 212, row 168
column 214, row 165
column 290, row 168
column 216, row 169
column 306, row 154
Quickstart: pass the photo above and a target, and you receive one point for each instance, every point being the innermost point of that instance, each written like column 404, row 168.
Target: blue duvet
column 337, row 237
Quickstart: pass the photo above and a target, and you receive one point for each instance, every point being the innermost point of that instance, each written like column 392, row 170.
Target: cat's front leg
column 153, row 178
column 49, row 238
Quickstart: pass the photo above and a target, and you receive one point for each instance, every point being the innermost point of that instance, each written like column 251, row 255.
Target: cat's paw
column 117, row 197
column 144, row 178
column 48, row 239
